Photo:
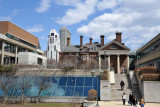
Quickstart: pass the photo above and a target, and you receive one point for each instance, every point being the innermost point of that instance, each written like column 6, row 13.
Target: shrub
column 7, row 69
column 105, row 72
column 92, row 94
column 105, row 77
column 151, row 77
column 146, row 70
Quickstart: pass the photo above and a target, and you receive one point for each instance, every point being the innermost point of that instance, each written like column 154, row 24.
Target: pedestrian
column 122, row 84
column 124, row 98
column 141, row 102
column 135, row 102
column 131, row 98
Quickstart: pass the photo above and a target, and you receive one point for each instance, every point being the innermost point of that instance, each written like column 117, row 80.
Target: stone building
column 14, row 41
column 112, row 56
column 149, row 54
column 53, row 45
column 64, row 34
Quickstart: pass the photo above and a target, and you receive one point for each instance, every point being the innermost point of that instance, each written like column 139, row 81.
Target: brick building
column 113, row 55
column 18, row 46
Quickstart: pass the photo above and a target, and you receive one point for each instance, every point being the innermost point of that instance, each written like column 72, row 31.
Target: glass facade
column 20, row 40
column 58, row 86
column 9, row 47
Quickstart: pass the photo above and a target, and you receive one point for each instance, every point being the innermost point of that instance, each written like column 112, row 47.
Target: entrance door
column 123, row 70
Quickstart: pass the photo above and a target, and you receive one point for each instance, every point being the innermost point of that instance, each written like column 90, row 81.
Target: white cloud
column 106, row 4
column 36, row 28
column 15, row 12
column 137, row 20
column 44, row 6
column 5, row 18
column 80, row 12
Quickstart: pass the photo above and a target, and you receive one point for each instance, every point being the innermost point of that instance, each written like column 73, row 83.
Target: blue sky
column 138, row 20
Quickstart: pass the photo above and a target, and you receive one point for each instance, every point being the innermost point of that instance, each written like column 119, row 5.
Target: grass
column 41, row 105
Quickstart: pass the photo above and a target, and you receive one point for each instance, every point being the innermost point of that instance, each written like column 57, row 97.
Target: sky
column 138, row 20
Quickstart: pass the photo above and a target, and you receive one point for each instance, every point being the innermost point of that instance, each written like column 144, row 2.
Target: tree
column 7, row 77
column 42, row 84
column 24, row 83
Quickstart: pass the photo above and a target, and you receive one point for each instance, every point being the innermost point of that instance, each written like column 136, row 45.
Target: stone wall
column 151, row 91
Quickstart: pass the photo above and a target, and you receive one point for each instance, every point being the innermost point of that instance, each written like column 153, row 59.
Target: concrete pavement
column 120, row 104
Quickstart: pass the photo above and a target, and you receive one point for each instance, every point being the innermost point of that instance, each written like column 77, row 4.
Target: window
column 113, row 47
column 51, row 54
column 54, row 47
column 52, row 34
column 51, row 40
column 55, row 36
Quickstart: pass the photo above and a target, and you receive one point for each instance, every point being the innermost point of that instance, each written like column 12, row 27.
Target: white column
column 127, row 62
column 99, row 61
column 118, row 64
column 2, row 55
column 109, row 62
column 16, row 54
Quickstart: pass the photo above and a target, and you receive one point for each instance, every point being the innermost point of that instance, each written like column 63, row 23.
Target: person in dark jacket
column 122, row 84
column 131, row 98
column 135, row 102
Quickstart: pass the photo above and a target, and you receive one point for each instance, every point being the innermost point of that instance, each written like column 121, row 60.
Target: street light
column 101, row 76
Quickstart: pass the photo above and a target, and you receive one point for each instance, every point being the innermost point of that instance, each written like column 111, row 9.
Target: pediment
column 114, row 45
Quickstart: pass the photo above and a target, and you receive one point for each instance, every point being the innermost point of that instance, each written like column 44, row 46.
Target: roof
column 150, row 43
column 76, row 48
column 114, row 41
column 8, row 27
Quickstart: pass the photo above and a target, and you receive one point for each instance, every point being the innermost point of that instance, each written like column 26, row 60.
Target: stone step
column 116, row 92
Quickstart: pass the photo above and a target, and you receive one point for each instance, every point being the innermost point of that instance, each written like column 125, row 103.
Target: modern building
column 14, row 41
column 112, row 56
column 64, row 34
column 53, row 45
column 149, row 54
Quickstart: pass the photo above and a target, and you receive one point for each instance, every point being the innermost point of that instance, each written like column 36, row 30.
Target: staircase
column 116, row 92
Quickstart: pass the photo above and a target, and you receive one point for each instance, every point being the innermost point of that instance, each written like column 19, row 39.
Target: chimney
column 118, row 36
column 102, row 40
column 81, row 40
column 90, row 41
column 68, row 41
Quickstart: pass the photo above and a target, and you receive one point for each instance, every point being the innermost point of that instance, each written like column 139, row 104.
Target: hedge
column 105, row 77
column 151, row 77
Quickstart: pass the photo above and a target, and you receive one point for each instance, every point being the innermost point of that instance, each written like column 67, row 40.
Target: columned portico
column 109, row 63
column 118, row 64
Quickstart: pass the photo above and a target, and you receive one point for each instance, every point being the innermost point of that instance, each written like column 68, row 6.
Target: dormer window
column 113, row 47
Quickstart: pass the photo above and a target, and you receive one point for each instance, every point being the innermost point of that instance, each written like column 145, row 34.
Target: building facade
column 149, row 54
column 111, row 56
column 64, row 34
column 53, row 45
column 13, row 41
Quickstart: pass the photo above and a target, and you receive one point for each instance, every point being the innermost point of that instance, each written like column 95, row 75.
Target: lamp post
column 101, row 76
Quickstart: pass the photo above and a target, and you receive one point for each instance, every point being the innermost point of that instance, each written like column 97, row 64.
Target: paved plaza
column 119, row 104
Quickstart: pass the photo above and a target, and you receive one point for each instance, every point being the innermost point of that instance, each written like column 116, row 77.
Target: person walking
column 135, row 102
column 141, row 102
column 131, row 98
column 122, row 84
column 124, row 98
